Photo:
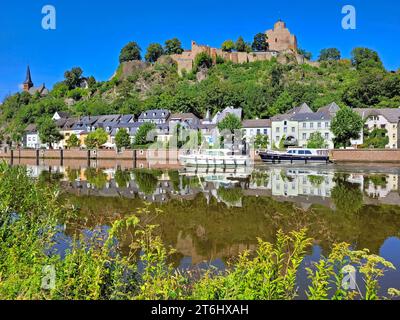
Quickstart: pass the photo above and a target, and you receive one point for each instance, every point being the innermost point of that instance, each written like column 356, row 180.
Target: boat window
column 308, row 152
column 301, row 151
column 290, row 151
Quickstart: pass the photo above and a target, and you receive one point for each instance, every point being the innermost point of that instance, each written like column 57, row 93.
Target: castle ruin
column 281, row 44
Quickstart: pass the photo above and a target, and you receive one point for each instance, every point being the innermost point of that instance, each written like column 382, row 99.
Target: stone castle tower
column 28, row 81
column 280, row 39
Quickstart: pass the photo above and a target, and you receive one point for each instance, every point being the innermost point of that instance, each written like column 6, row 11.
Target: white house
column 252, row 128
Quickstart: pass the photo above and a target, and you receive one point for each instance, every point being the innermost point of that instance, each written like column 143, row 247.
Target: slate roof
column 330, row 108
column 155, row 114
column 391, row 114
column 259, row 123
column 304, row 108
column 314, row 116
column 42, row 90
column 229, row 110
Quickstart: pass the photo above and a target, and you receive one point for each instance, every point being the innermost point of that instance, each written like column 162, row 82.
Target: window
column 265, row 131
column 277, row 130
column 301, row 151
column 293, row 129
column 304, row 125
column 278, row 138
column 304, row 136
column 308, row 152
column 326, row 136
column 311, row 125
column 285, row 123
column 327, row 125
column 319, row 124
column 258, row 131
column 285, row 129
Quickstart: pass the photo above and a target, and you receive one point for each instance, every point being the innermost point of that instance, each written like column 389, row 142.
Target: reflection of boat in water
column 292, row 155
column 218, row 175
column 214, row 157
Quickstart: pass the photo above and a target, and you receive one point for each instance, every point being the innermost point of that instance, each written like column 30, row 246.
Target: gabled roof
column 259, row 123
column 32, row 128
column 42, row 90
column 63, row 114
column 182, row 116
column 155, row 114
column 303, row 108
column 391, row 114
column 229, row 110
column 330, row 108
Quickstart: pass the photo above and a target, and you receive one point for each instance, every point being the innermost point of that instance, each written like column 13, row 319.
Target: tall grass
column 94, row 268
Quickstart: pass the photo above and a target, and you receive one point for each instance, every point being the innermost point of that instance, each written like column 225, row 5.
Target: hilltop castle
column 30, row 88
column 280, row 41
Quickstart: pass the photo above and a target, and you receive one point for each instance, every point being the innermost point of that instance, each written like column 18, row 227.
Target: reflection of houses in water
column 305, row 186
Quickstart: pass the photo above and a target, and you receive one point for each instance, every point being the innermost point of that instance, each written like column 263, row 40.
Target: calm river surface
column 210, row 216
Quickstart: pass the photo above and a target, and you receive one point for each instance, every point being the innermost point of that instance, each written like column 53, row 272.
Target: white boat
column 214, row 157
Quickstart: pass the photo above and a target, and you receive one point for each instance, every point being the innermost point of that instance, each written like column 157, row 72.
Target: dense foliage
column 261, row 89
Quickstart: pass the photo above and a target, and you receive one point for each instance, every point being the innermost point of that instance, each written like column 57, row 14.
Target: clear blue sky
column 91, row 33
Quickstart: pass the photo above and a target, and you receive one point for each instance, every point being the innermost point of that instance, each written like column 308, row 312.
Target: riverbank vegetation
column 91, row 265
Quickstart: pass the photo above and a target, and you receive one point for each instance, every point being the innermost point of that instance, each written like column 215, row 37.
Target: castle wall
column 281, row 44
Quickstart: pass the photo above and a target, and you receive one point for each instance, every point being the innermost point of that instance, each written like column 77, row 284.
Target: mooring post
column 37, row 157
column 61, row 157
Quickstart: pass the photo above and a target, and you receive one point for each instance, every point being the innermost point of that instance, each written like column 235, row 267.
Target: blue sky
column 90, row 33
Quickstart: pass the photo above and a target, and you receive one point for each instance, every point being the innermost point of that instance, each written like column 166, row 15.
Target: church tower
column 28, row 81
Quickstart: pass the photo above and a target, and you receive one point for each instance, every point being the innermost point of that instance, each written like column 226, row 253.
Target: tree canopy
column 260, row 42
column 142, row 134
column 154, row 51
column 173, row 46
column 96, row 139
column 346, row 126
column 316, row 141
column 228, row 46
column 130, row 52
column 330, row 54
column 48, row 131
column 122, row 139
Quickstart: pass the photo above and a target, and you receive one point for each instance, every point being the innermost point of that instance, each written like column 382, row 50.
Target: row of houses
column 293, row 128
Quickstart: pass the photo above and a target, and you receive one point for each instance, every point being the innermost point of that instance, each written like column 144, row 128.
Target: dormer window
column 154, row 114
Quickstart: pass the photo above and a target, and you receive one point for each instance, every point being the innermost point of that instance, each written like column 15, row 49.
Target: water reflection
column 339, row 190
column 212, row 215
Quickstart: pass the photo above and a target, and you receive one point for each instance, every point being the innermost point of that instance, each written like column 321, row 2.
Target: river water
column 210, row 216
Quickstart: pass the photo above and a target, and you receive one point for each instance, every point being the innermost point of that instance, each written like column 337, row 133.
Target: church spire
column 28, row 80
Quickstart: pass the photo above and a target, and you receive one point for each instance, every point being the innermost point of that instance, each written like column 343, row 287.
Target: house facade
column 388, row 119
column 295, row 127
column 252, row 128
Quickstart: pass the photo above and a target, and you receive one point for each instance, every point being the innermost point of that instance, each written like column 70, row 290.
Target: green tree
column 73, row 141
column 377, row 138
column 231, row 123
column 305, row 53
column 241, row 45
column 130, row 52
column 122, row 139
column 203, row 60
column 329, row 54
column 141, row 136
column 73, row 77
column 261, row 141
column 173, row 46
column 228, row 46
column 346, row 125
column 96, row 139
column 48, row 131
column 364, row 57
column 316, row 141
column 154, row 51
column 260, row 42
